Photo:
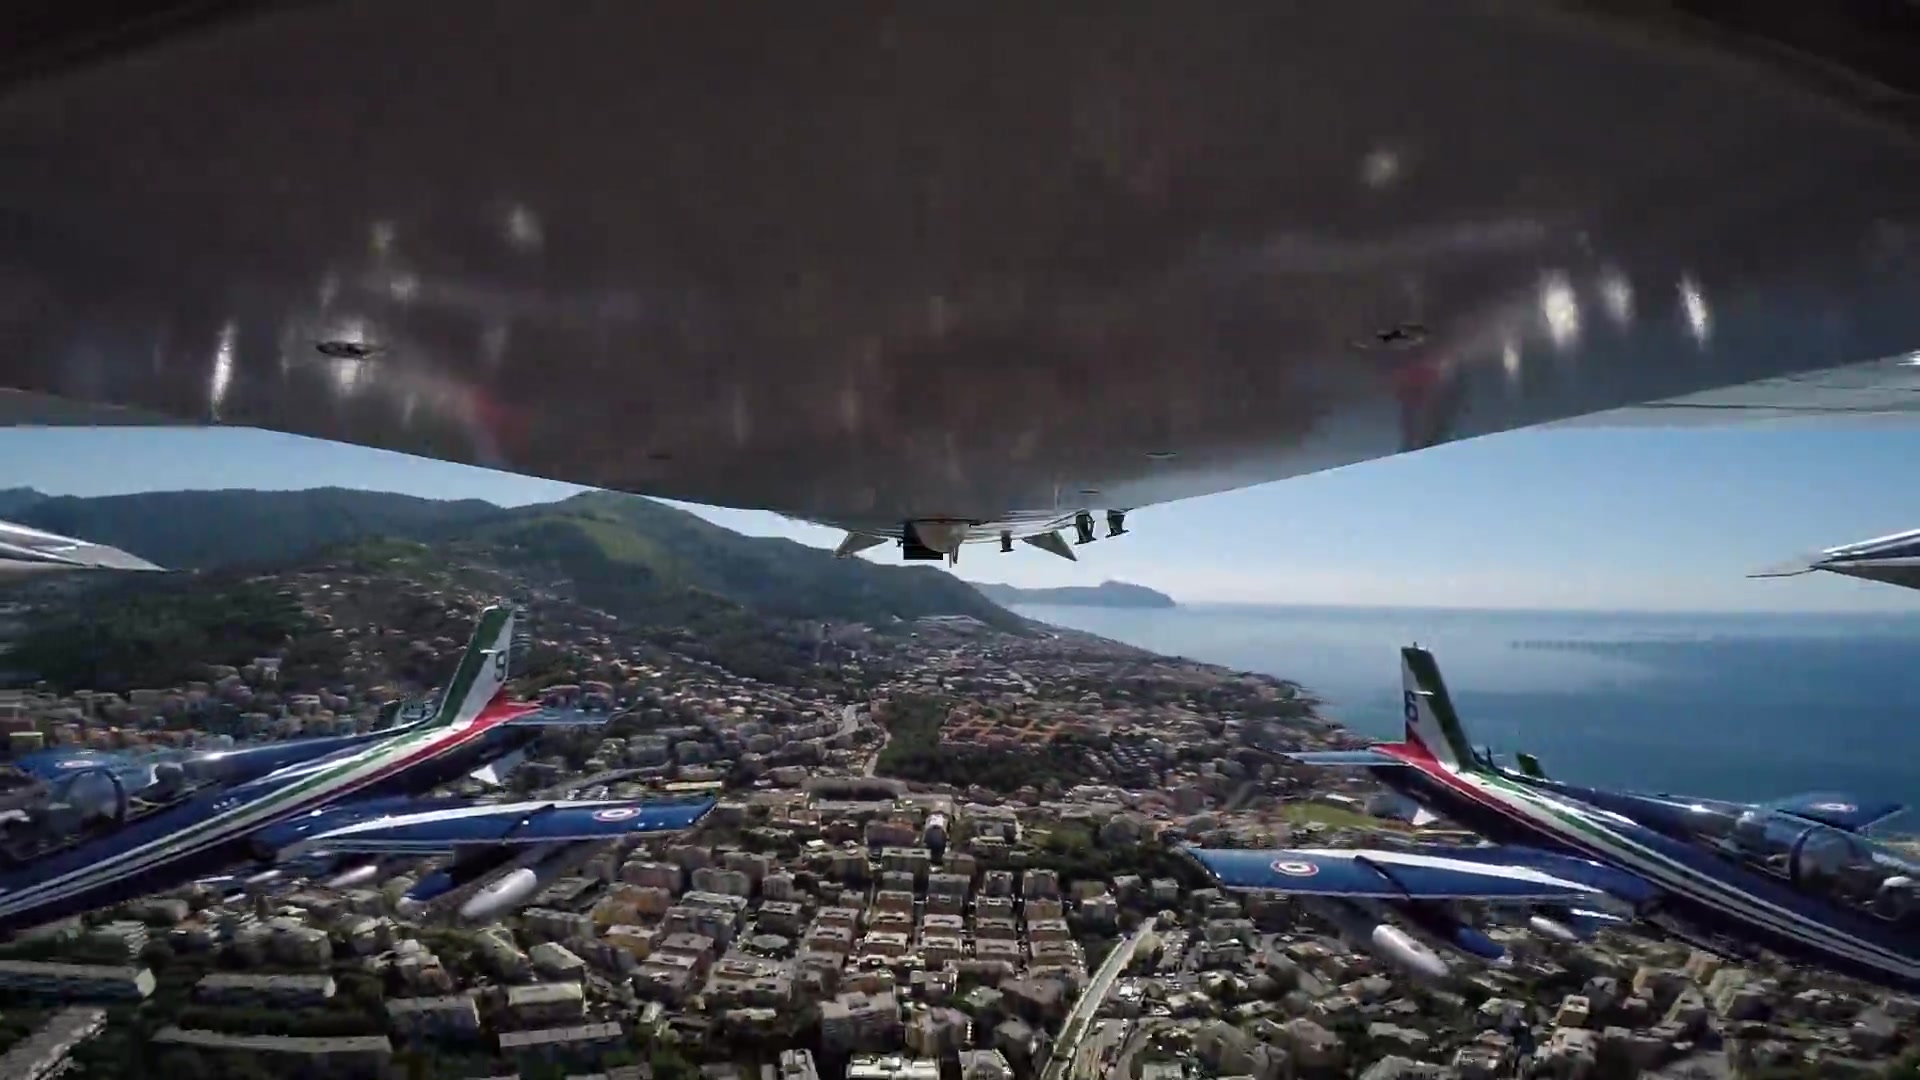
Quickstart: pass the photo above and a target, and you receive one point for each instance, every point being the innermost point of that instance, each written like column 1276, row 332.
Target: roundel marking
column 1835, row 807
column 78, row 763
column 617, row 813
column 1295, row 868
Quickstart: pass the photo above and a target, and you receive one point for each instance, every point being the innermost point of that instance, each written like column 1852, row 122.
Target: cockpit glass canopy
column 40, row 812
column 1816, row 859
column 53, row 811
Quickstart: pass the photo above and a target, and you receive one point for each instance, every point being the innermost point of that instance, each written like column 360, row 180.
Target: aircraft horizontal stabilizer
column 1837, row 809
column 495, row 773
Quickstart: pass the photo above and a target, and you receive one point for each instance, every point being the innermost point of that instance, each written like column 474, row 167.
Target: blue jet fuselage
column 245, row 776
column 1706, row 886
column 86, row 830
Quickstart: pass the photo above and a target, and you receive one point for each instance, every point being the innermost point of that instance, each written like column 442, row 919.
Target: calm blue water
column 1730, row 706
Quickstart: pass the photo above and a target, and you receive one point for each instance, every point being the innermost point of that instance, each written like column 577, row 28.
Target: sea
column 1732, row 706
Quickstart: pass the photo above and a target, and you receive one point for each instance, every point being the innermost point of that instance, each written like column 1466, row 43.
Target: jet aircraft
column 941, row 279
column 81, row 830
column 24, row 549
column 1796, row 876
column 1894, row 560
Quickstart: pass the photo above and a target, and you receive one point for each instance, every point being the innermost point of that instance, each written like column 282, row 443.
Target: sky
column 1567, row 518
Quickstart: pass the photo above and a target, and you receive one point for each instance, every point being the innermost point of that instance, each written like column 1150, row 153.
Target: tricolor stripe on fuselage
column 308, row 786
column 1574, row 826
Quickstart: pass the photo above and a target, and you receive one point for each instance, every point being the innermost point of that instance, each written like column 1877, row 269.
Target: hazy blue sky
column 1615, row 519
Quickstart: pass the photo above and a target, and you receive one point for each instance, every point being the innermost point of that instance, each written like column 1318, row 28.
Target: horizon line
column 1473, row 610
column 582, row 490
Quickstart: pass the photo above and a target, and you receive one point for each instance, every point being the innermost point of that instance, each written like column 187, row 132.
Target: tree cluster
column 158, row 633
column 914, row 751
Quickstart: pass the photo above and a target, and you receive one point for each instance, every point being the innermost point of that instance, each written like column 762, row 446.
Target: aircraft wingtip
column 1786, row 569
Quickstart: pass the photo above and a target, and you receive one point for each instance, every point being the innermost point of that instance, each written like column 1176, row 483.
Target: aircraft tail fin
column 1432, row 725
column 483, row 670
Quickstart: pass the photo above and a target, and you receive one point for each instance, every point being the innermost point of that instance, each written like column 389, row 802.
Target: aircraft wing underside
column 1878, row 391
column 446, row 826
column 1093, row 289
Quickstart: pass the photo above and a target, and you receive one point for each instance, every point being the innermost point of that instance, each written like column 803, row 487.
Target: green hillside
column 622, row 549
column 624, row 554
column 201, row 530
column 148, row 630
column 17, row 501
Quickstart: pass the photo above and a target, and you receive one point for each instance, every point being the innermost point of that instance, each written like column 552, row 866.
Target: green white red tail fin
column 483, row 670
column 1432, row 724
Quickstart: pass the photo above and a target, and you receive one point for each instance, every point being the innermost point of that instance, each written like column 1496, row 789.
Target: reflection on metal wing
column 1881, row 391
column 878, row 266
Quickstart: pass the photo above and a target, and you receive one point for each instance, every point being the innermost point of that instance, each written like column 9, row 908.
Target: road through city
column 1085, row 1009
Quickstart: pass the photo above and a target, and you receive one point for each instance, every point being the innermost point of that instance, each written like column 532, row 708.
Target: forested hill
column 619, row 545
column 618, row 550
column 204, row 530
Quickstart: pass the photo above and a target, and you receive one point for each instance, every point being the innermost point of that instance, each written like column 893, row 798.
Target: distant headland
column 1117, row 594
